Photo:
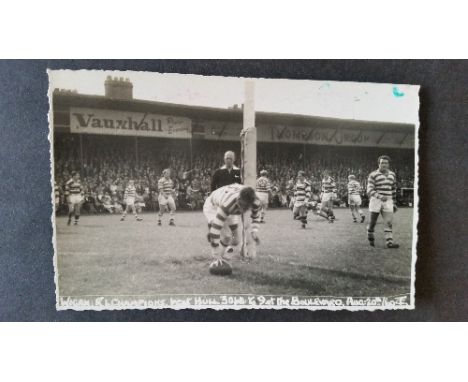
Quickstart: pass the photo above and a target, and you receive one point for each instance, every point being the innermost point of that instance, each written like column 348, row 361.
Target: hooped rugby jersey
column 166, row 186
column 225, row 201
column 328, row 185
column 130, row 192
column 354, row 187
column 56, row 191
column 73, row 187
column 263, row 184
column 302, row 191
column 381, row 184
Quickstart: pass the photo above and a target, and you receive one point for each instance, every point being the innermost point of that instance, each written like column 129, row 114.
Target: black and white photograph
column 249, row 190
column 189, row 191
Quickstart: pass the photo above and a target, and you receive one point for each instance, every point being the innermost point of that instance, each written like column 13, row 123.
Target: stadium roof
column 66, row 99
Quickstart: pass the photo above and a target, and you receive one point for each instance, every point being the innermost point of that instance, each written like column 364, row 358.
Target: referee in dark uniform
column 228, row 174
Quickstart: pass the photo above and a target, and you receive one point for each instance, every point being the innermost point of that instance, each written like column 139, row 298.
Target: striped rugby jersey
column 225, row 199
column 354, row 188
column 56, row 190
column 302, row 191
column 328, row 185
column 263, row 184
column 165, row 186
column 73, row 187
column 380, row 184
column 130, row 192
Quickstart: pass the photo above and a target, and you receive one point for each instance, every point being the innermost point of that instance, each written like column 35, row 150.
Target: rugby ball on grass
column 220, row 268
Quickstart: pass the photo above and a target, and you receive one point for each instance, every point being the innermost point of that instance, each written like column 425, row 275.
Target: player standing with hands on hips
column 166, row 198
column 381, row 189
column 129, row 198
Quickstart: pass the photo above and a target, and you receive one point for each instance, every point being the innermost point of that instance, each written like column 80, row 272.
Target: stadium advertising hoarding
column 336, row 136
column 316, row 136
column 114, row 122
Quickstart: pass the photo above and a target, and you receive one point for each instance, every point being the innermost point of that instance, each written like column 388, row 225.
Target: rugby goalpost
column 248, row 137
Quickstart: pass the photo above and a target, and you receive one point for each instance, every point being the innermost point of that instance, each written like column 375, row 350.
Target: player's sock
column 361, row 214
column 370, row 236
column 228, row 249
column 208, row 236
column 370, row 228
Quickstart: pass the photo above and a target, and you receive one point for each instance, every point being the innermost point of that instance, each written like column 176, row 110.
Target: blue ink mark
column 324, row 85
column 397, row 92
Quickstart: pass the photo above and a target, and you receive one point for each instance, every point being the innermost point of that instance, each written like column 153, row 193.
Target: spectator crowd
column 106, row 168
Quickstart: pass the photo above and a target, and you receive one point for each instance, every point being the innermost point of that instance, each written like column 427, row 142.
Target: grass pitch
column 103, row 256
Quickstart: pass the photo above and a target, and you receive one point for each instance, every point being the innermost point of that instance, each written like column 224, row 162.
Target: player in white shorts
column 74, row 195
column 222, row 210
column 302, row 193
column 328, row 197
column 129, row 198
column 166, row 196
column 263, row 193
column 381, row 189
column 354, row 199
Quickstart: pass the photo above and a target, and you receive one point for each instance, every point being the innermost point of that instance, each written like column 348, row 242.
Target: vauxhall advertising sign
column 110, row 122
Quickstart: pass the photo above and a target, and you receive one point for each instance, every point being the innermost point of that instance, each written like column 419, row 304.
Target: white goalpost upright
column 248, row 138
